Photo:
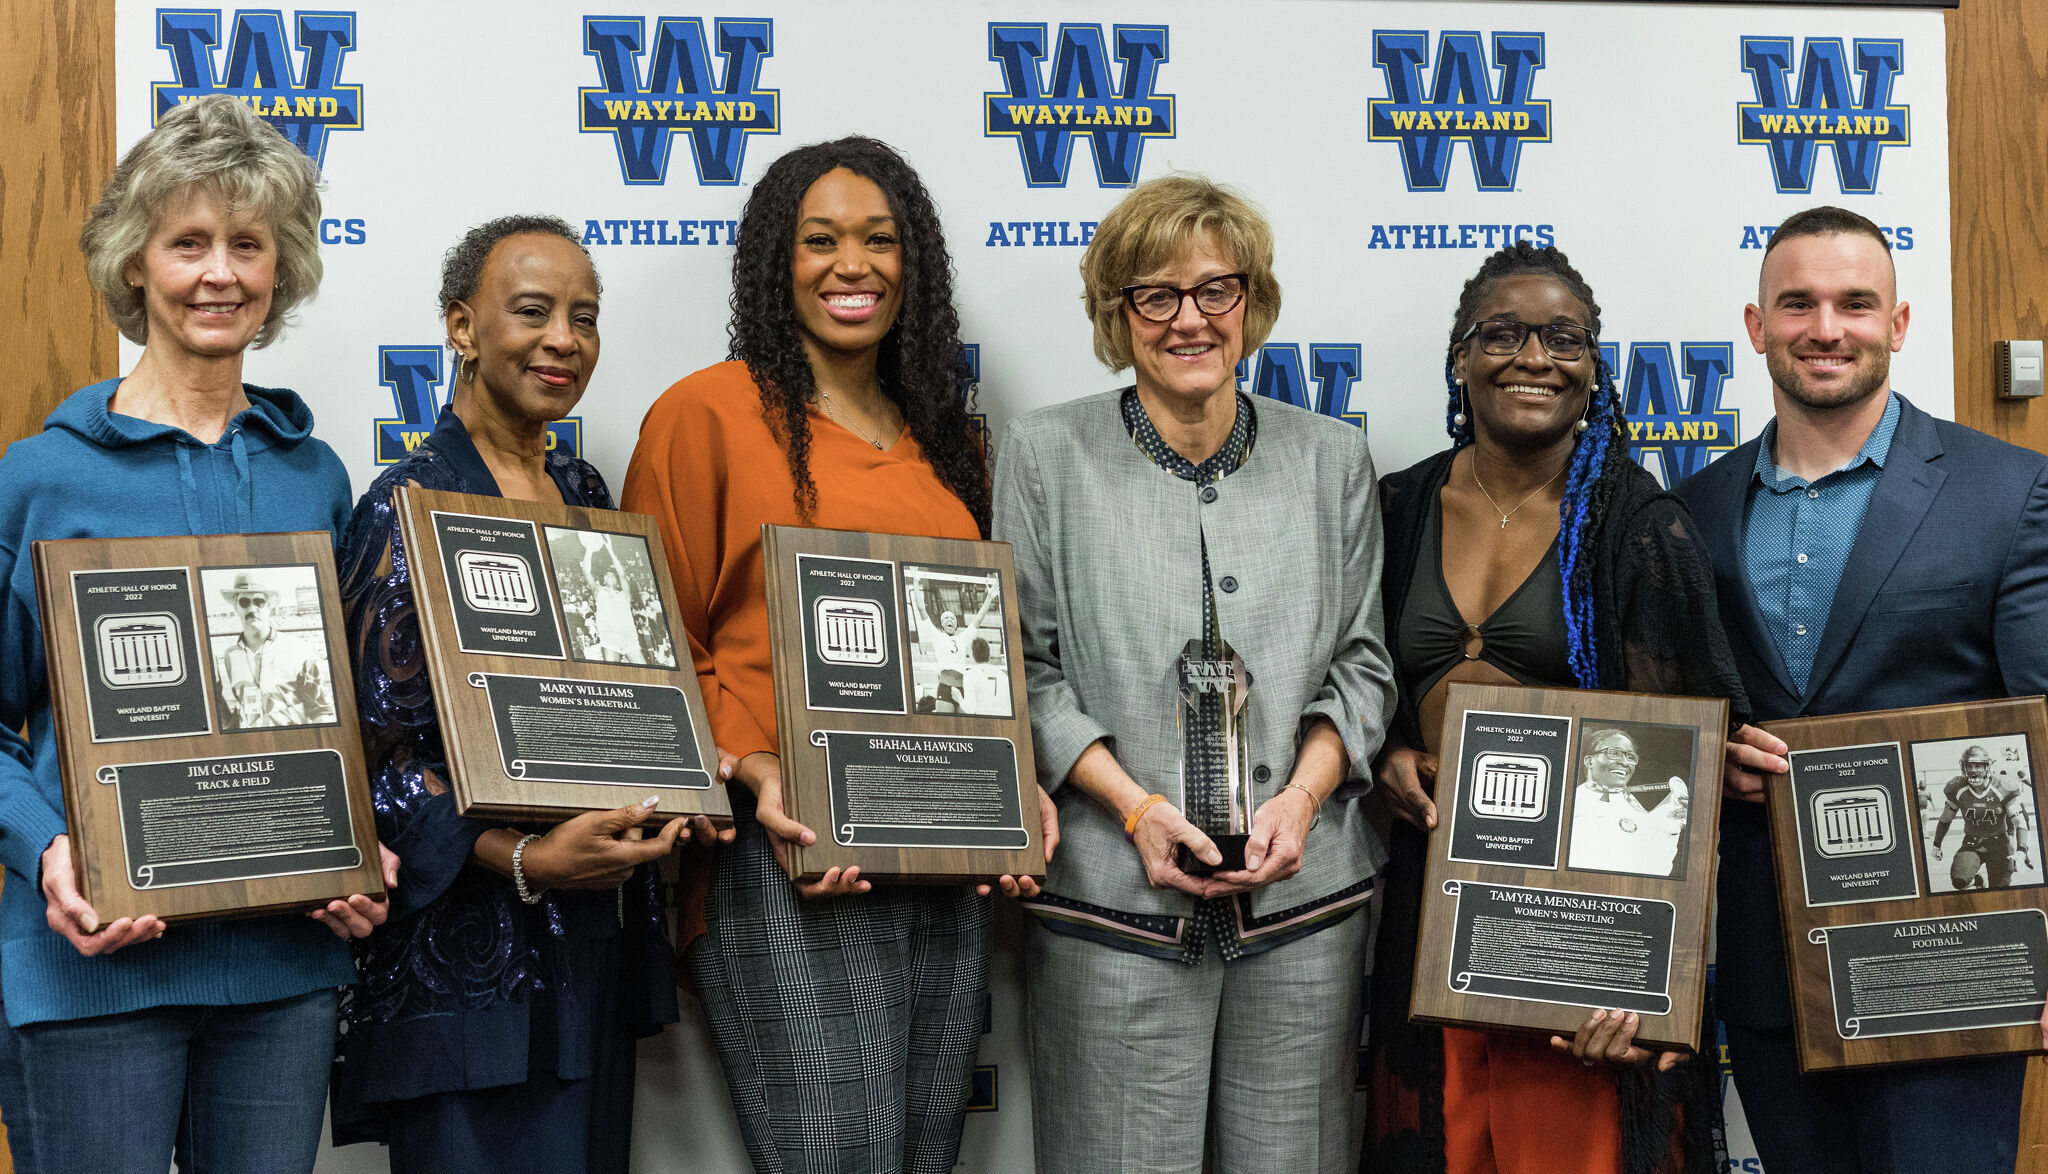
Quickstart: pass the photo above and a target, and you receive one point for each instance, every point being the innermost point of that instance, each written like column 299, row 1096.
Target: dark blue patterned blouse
column 464, row 982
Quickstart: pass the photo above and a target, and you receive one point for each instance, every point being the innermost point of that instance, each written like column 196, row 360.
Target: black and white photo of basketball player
column 1980, row 825
column 953, row 617
column 610, row 601
column 1632, row 810
column 268, row 645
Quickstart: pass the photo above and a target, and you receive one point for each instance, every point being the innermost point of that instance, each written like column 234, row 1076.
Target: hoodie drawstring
column 245, row 486
column 188, row 495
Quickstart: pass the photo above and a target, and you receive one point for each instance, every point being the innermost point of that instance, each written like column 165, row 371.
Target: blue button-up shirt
column 1797, row 539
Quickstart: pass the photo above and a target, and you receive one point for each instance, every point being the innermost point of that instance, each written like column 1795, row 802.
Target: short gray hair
column 217, row 145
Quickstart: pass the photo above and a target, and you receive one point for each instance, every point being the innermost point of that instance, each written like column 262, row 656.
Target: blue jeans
column 234, row 1089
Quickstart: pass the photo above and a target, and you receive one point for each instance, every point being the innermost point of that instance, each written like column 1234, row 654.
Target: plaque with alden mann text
column 211, row 759
column 563, row 683
column 1571, row 868
column 1910, row 882
column 899, row 701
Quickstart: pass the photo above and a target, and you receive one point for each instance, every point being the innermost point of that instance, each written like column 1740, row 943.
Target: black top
column 1524, row 637
column 1657, row 629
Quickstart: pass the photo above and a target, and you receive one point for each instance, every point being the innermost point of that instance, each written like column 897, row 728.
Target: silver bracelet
column 519, row 869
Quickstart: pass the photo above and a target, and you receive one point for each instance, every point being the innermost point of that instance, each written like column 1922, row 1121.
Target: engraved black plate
column 143, row 674
column 921, row 791
column 497, row 586
column 1508, row 798
column 1855, row 827
column 1937, row 973
column 244, row 817
column 853, row 658
column 1552, row 946
column 554, row 729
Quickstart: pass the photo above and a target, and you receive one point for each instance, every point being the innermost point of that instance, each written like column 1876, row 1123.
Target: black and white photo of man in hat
column 267, row 676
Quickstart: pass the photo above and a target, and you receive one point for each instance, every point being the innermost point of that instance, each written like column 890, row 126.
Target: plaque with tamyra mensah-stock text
column 1910, row 882
column 206, row 730
column 563, row 681
column 1572, row 864
column 899, row 696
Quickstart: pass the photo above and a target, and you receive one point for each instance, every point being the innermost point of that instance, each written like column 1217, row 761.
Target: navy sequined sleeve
column 401, row 732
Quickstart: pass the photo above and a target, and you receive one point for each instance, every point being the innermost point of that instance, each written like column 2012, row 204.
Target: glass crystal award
column 1215, row 771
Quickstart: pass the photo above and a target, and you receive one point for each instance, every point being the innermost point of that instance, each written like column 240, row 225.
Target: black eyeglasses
column 1161, row 303
column 1505, row 336
column 251, row 601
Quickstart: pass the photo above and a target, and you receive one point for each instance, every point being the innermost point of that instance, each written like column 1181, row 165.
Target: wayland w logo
column 302, row 106
column 1333, row 368
column 1683, row 432
column 1044, row 119
column 680, row 94
column 1823, row 109
column 413, row 373
column 1459, row 104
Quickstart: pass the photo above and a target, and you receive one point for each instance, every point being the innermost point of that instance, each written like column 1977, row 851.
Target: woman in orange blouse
column 847, row 1020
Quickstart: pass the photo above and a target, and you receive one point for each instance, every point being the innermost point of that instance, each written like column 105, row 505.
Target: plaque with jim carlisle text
column 1910, row 882
column 563, row 681
column 1571, row 868
column 206, row 730
column 899, row 698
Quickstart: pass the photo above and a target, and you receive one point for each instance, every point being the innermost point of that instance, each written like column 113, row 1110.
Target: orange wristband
column 1138, row 813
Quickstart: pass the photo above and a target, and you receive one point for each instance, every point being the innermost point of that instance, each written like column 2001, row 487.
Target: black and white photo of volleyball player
column 1980, row 826
column 954, row 620
column 1632, row 809
column 264, row 630
column 611, row 603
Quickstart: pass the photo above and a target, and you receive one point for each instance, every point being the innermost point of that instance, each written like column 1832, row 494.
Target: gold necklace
column 825, row 398
column 1518, row 505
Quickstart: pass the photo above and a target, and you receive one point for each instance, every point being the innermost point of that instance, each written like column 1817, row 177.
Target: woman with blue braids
column 1548, row 518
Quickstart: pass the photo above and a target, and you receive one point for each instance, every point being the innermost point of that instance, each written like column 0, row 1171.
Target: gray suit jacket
column 1109, row 569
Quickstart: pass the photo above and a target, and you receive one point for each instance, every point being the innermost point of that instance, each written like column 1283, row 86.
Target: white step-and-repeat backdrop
column 1394, row 145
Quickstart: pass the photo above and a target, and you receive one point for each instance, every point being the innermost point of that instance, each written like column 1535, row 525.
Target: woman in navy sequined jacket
column 494, row 1022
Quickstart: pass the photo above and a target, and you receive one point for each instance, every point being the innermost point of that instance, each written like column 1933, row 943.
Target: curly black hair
column 462, row 267
column 1600, row 461
column 922, row 368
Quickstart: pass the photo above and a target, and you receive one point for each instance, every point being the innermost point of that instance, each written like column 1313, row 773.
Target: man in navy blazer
column 1867, row 555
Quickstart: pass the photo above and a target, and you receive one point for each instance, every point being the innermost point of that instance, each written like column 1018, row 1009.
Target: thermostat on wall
column 2019, row 369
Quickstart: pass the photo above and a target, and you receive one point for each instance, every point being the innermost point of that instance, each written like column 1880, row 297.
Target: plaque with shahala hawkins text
column 899, row 697
column 1572, row 865
column 1910, row 881
column 206, row 729
column 563, row 683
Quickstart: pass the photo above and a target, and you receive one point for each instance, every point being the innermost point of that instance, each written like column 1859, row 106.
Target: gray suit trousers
column 1138, row 1064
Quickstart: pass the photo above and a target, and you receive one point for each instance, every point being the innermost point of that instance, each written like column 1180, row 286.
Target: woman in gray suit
column 1199, row 586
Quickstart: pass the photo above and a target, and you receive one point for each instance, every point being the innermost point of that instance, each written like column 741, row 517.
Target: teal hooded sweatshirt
column 94, row 474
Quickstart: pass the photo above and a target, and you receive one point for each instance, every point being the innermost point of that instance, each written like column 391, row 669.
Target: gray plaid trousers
column 848, row 1027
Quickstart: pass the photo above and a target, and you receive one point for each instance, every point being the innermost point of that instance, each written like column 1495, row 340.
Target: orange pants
column 1513, row 1106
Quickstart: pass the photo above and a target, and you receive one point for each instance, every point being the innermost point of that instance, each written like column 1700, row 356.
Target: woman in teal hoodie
column 128, row 1039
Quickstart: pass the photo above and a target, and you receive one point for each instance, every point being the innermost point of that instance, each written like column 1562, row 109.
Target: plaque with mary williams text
column 554, row 659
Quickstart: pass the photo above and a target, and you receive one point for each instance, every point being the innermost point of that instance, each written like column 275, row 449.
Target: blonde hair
column 1157, row 224
column 219, row 146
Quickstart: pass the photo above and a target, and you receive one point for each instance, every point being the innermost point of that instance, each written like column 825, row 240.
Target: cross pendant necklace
column 1505, row 515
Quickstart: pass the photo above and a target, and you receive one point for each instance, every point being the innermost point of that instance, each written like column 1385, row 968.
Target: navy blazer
column 1944, row 599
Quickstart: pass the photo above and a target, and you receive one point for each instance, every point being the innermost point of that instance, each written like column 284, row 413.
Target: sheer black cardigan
column 1657, row 629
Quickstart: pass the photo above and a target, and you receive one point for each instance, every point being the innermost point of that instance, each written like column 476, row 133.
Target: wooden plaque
column 563, row 680
column 905, row 741
column 1897, row 955
column 205, row 775
column 1564, row 877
